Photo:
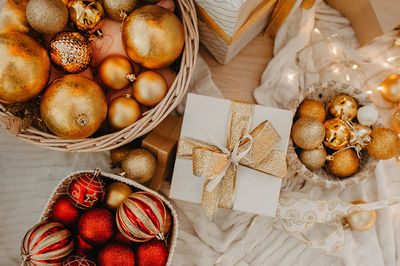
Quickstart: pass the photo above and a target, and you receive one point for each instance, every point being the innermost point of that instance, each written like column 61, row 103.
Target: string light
column 334, row 51
column 355, row 66
column 368, row 92
column 317, row 30
column 380, row 88
column 336, row 70
column 347, row 77
column 291, row 76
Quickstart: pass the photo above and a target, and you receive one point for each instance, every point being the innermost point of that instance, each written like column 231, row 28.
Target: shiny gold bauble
column 123, row 111
column 342, row 106
column 391, row 88
column 47, row 16
column 344, row 163
column 86, row 15
column 24, row 68
column 337, row 134
column 150, row 88
column 308, row 133
column 359, row 135
column 70, row 51
column 13, row 18
column 313, row 159
column 313, row 109
column 139, row 165
column 115, row 72
column 385, row 144
column 118, row 10
column 395, row 122
column 153, row 36
column 117, row 154
column 73, row 107
column 116, row 193
column 362, row 220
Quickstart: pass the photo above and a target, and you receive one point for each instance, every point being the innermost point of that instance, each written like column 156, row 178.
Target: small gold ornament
column 313, row 159
column 359, row 135
column 139, row 165
column 118, row 10
column 116, row 72
column 385, row 144
column 337, row 134
column 117, row 154
column 313, row 109
column 343, row 163
column 362, row 220
column 342, row 106
column 150, row 88
column 70, row 51
column 116, row 193
column 87, row 15
column 395, row 122
column 123, row 112
column 308, row 133
column 47, row 16
column 391, row 88
column 153, row 36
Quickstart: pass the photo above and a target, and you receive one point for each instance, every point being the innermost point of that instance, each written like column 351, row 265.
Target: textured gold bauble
column 118, row 10
column 337, row 134
column 24, row 68
column 117, row 154
column 153, row 36
column 395, row 122
column 362, row 220
column 359, row 135
column 86, row 15
column 139, row 165
column 123, row 111
column 116, row 193
column 73, row 107
column 344, row 163
column 114, row 72
column 342, row 106
column 313, row 159
column 47, row 16
column 70, row 51
column 150, row 88
column 385, row 144
column 308, row 133
column 313, row 109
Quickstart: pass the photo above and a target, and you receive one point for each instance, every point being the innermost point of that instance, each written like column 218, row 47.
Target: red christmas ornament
column 96, row 226
column 64, row 212
column 152, row 253
column 85, row 190
column 141, row 217
column 118, row 237
column 47, row 243
column 82, row 248
column 78, row 261
column 116, row 254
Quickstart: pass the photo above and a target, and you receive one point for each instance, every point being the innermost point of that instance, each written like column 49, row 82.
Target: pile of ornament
column 98, row 220
column 112, row 61
column 338, row 132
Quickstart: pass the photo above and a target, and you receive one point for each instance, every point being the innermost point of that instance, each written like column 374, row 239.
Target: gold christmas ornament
column 362, row 220
column 308, row 133
column 73, row 107
column 70, row 51
column 385, row 144
column 123, row 111
column 139, row 165
column 117, row 154
column 116, row 72
column 87, row 15
column 313, row 159
column 167, row 223
column 116, row 193
column 13, row 18
column 47, row 16
column 150, row 88
column 24, row 68
column 343, row 163
column 395, row 122
column 359, row 135
column 313, row 109
column 342, row 106
column 337, row 134
column 391, row 88
column 118, row 10
column 153, row 36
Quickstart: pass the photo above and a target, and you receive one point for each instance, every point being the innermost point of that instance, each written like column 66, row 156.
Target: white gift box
column 255, row 192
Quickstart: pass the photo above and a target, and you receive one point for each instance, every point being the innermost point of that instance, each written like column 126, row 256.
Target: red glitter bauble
column 118, row 237
column 78, row 261
column 64, row 212
column 96, row 226
column 85, row 190
column 116, row 254
column 152, row 253
column 82, row 248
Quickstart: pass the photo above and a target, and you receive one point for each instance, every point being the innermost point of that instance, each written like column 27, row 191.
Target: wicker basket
column 149, row 120
column 61, row 189
column 322, row 92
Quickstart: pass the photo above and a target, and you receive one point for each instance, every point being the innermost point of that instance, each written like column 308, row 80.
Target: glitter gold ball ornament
column 116, row 193
column 395, row 122
column 24, row 68
column 359, row 135
column 313, row 159
column 342, row 106
column 362, row 220
column 343, row 163
column 70, row 51
column 123, row 111
column 116, row 72
column 73, row 107
column 391, row 88
column 385, row 144
column 313, row 109
column 118, row 10
column 150, row 88
column 86, row 15
column 308, row 133
column 139, row 165
column 367, row 115
column 117, row 154
column 47, row 16
column 153, row 36
column 337, row 134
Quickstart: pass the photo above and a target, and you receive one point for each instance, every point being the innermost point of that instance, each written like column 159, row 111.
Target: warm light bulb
column 368, row 92
column 291, row 76
column 380, row 88
column 336, row 70
column 347, row 77
column 355, row 66
column 334, row 52
column 317, row 30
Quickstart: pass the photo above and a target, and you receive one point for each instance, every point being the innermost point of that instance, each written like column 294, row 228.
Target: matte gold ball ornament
column 116, row 72
column 150, row 88
column 391, row 88
column 87, row 15
column 313, row 109
column 139, row 165
column 337, row 134
column 313, row 159
column 385, row 144
column 362, row 220
column 47, row 16
column 123, row 111
column 343, row 163
column 118, row 10
column 116, row 193
column 308, row 133
column 117, row 154
column 342, row 106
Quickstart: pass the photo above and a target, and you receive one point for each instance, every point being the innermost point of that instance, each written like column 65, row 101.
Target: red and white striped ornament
column 78, row 261
column 141, row 217
column 47, row 243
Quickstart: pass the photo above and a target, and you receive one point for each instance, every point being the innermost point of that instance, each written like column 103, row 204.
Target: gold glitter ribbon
column 219, row 164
